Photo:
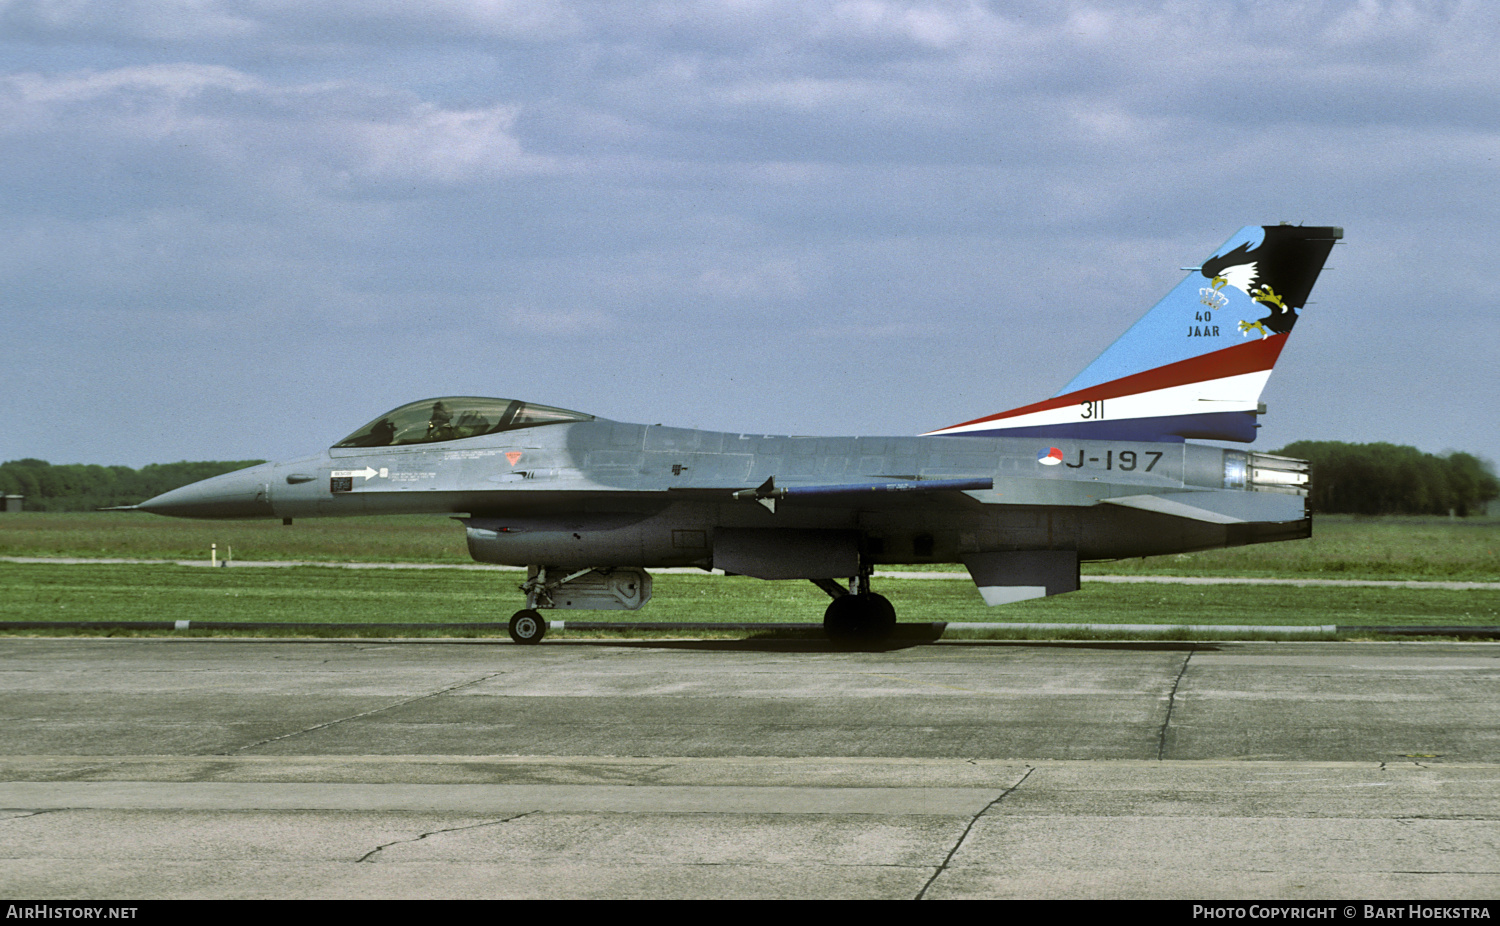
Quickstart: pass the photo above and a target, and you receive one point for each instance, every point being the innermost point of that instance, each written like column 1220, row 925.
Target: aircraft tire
column 527, row 626
column 841, row 620
column 859, row 618
column 882, row 620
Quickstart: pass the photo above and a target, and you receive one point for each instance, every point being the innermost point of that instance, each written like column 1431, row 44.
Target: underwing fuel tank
column 600, row 539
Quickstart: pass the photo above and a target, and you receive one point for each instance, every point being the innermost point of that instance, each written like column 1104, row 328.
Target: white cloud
column 169, row 21
column 329, row 133
column 146, row 97
column 667, row 171
column 430, row 144
column 286, row 24
column 770, row 280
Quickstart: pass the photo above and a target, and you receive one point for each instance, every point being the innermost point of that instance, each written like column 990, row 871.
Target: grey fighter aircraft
column 1101, row 470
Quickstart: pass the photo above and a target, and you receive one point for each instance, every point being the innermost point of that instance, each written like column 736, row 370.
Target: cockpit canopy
column 432, row 421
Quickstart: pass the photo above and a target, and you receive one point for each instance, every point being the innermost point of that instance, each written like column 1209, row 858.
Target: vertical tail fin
column 1195, row 365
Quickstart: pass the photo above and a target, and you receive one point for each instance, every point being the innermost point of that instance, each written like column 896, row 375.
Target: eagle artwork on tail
column 1247, row 269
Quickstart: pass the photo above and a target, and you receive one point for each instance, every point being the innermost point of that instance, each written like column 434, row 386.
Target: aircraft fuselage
column 606, row 493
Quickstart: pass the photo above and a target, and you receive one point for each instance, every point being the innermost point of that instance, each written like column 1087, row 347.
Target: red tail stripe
column 1252, row 357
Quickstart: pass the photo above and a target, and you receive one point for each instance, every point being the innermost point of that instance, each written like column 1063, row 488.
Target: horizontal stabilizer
column 1218, row 507
column 1176, row 509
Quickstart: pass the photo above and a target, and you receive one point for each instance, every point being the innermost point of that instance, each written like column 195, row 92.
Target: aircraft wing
column 858, row 493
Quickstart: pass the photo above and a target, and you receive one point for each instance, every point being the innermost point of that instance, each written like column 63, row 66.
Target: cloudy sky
column 240, row 230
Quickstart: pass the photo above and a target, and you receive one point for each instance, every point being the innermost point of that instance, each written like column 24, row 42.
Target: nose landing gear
column 527, row 626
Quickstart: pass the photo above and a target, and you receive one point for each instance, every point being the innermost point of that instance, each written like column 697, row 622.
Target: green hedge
column 1394, row 479
column 80, row 487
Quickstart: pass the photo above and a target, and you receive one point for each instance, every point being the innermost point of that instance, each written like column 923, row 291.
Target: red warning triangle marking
column 514, row 456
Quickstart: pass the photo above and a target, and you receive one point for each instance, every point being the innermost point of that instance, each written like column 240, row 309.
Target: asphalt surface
column 162, row 768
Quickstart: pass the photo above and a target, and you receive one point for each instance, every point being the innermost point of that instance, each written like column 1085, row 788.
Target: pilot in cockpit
column 438, row 426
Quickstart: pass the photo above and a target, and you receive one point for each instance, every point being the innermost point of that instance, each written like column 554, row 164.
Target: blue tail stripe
column 1234, row 426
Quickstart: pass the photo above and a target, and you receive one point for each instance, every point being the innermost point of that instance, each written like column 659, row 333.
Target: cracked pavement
column 155, row 768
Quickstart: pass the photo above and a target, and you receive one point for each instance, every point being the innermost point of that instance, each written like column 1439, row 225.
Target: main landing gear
column 856, row 614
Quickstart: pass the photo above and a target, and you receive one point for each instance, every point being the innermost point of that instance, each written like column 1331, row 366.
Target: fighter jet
column 1100, row 471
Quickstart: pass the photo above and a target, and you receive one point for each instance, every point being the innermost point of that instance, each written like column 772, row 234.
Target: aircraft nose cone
column 240, row 494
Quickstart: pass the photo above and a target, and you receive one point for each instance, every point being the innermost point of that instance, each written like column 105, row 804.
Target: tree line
column 84, row 487
column 1347, row 479
column 1394, row 479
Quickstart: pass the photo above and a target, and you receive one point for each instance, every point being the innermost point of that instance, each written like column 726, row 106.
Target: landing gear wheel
column 527, row 626
column 883, row 615
column 867, row 617
column 841, row 620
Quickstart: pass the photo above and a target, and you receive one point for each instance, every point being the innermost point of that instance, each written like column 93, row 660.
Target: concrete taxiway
column 153, row 768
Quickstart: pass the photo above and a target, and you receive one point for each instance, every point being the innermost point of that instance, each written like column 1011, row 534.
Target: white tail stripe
column 1231, row 394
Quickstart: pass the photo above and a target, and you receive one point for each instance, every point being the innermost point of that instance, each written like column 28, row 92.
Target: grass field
column 1341, row 546
column 388, row 539
column 1406, row 548
column 39, row 591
